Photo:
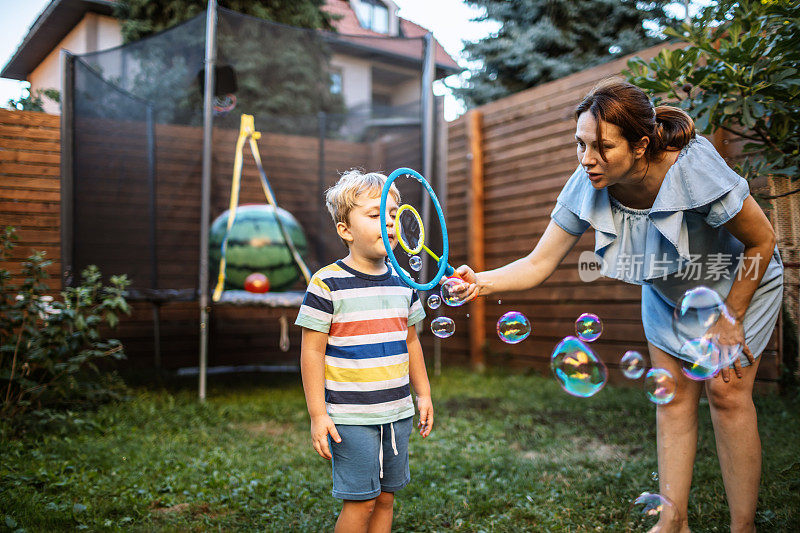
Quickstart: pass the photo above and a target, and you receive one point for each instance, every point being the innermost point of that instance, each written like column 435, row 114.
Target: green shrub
column 49, row 348
column 739, row 71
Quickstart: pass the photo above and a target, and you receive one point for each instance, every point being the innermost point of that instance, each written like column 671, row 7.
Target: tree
column 141, row 18
column 281, row 70
column 739, row 71
column 34, row 101
column 543, row 40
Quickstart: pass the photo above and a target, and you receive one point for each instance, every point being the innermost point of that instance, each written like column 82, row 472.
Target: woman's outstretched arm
column 526, row 272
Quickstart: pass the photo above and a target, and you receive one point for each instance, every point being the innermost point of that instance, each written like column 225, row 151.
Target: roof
column 49, row 29
column 61, row 16
column 348, row 25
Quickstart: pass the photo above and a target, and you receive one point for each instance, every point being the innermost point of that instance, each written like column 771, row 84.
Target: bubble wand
column 444, row 267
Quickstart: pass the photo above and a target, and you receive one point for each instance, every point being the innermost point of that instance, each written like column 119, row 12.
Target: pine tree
column 543, row 40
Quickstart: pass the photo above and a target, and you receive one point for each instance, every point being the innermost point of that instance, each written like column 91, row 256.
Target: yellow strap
column 247, row 129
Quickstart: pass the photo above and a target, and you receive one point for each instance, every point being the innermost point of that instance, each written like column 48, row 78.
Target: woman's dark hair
column 625, row 105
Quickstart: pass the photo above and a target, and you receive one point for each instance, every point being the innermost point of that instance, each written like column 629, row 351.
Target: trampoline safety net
column 137, row 138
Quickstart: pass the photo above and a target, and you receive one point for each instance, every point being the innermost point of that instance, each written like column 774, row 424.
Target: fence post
column 475, row 238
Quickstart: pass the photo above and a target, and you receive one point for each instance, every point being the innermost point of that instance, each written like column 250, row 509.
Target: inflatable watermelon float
column 255, row 244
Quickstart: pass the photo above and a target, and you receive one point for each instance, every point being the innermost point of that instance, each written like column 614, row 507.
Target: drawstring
column 380, row 448
column 380, row 452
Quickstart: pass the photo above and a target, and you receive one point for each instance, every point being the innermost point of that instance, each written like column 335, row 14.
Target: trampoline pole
column 151, row 178
column 67, row 168
column 426, row 109
column 322, row 121
column 205, row 208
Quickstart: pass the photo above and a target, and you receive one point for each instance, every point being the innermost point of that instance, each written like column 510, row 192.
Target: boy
column 359, row 352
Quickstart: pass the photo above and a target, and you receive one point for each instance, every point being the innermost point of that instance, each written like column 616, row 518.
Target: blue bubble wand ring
column 444, row 267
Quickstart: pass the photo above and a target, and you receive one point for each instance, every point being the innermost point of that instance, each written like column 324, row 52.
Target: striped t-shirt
column 366, row 318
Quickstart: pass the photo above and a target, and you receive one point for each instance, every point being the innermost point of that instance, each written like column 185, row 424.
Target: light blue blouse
column 678, row 244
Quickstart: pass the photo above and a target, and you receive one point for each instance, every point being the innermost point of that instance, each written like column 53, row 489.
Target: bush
column 49, row 348
column 740, row 71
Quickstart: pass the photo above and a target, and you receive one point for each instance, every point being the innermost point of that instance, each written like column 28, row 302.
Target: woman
column 663, row 203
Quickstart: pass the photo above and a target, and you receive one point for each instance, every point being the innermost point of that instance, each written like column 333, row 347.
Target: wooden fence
column 524, row 147
column 30, row 185
column 30, row 201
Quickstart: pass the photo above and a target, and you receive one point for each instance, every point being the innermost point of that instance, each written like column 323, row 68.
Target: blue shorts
column 357, row 460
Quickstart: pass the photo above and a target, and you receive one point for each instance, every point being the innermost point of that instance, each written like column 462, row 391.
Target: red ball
column 256, row 282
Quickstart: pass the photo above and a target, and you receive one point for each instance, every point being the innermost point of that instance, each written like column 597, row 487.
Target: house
column 370, row 72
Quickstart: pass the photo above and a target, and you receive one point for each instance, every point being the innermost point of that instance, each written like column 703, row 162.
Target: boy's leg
column 355, row 475
column 396, row 473
column 381, row 520
column 676, row 430
column 738, row 444
column 355, row 516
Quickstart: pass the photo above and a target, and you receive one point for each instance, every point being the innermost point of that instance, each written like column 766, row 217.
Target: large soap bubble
column 697, row 314
column 513, row 327
column 579, row 371
column 449, row 294
column 660, row 386
column 443, row 327
column 647, row 509
column 632, row 364
column 588, row 327
column 704, row 359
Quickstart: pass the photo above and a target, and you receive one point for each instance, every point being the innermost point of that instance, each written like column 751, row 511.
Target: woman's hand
column 425, row 406
column 471, row 288
column 321, row 427
column 728, row 334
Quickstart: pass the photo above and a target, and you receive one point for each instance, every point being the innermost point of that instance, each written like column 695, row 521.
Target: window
column 373, row 15
column 336, row 81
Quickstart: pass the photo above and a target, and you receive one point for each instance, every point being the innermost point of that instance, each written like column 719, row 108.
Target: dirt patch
column 267, row 428
column 455, row 405
column 175, row 509
column 195, row 509
column 580, row 449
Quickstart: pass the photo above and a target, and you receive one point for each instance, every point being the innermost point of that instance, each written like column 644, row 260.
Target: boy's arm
column 312, row 368
column 419, row 380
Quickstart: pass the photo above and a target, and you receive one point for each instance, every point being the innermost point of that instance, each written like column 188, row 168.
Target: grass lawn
column 509, row 452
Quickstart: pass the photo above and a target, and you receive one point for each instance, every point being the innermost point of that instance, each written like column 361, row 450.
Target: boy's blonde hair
column 341, row 198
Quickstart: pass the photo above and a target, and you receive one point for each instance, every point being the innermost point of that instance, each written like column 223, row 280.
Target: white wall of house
column 356, row 79
column 94, row 32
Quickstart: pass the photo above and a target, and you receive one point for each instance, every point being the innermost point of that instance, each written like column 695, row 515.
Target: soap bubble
column 513, row 327
column 434, row 301
column 449, row 295
column 646, row 510
column 579, row 371
column 415, row 262
column 698, row 310
column 654, row 476
column 443, row 327
column 660, row 386
column 588, row 327
column 703, row 359
column 632, row 364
